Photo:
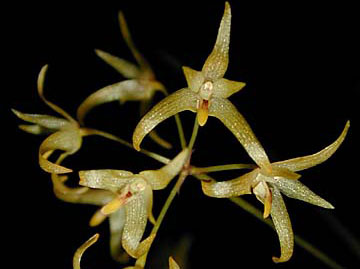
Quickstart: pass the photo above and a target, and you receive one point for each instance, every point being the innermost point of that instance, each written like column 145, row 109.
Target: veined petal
column 227, row 113
column 144, row 65
column 46, row 121
column 125, row 68
column 224, row 88
column 105, row 179
column 117, row 222
column 230, row 188
column 40, row 87
column 295, row 189
column 68, row 140
column 179, row 101
column 128, row 90
column 217, row 62
column 159, row 179
column 282, row 225
column 194, row 78
column 305, row 162
column 136, row 219
column 173, row 264
column 80, row 251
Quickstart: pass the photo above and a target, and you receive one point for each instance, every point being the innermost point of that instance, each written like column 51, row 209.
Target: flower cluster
column 126, row 198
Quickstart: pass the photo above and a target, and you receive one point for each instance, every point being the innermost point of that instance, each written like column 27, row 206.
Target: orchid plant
column 126, row 198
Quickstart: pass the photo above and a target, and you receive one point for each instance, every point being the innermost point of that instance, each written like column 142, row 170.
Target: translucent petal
column 128, row 90
column 144, row 65
column 68, row 140
column 40, row 86
column 301, row 163
column 194, row 78
column 180, row 100
column 224, row 88
column 230, row 188
column 282, row 225
column 117, row 222
column 284, row 172
column 217, row 62
column 106, row 179
column 227, row 113
column 295, row 189
column 173, row 264
column 159, row 179
column 125, row 68
column 49, row 122
column 80, row 251
column 34, row 129
column 136, row 219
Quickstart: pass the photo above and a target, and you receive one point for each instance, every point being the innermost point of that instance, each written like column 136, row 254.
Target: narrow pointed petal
column 105, row 179
column 284, row 172
column 125, row 68
column 224, row 88
column 159, row 179
column 179, row 101
column 117, row 222
column 144, row 65
column 297, row 190
column 227, row 113
column 136, row 219
column 68, row 140
column 128, row 90
column 40, row 87
column 173, row 264
column 301, row 163
column 194, row 78
column 80, row 251
column 34, row 129
column 230, row 188
column 282, row 225
column 46, row 121
column 217, row 62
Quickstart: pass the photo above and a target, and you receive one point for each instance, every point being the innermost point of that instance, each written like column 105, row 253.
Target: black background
column 301, row 65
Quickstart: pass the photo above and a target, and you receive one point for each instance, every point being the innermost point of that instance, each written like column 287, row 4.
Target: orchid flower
column 132, row 204
column 268, row 187
column 140, row 85
column 66, row 133
column 207, row 94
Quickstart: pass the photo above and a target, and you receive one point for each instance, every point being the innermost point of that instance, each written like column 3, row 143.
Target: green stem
column 155, row 156
column 180, row 131
column 194, row 135
column 217, row 168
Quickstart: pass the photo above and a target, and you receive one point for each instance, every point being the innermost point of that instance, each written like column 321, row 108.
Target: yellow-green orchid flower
column 132, row 204
column 268, row 187
column 66, row 133
column 140, row 85
column 207, row 95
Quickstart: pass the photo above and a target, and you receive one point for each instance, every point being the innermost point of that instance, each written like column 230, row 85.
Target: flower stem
column 194, row 135
column 180, row 131
column 217, row 168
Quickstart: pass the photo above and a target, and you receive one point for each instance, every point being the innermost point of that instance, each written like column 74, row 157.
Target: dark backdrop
column 301, row 65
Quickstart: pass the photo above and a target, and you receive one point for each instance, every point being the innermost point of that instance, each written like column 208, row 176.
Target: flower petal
column 295, row 189
column 117, row 222
column 227, row 113
column 68, row 140
column 40, row 87
column 46, row 121
column 173, row 264
column 305, row 162
column 125, row 68
column 106, row 179
column 80, row 251
column 230, row 188
column 179, row 101
column 33, row 129
column 136, row 219
column 194, row 78
column 128, row 90
column 216, row 64
column 159, row 179
column 282, row 225
column 224, row 88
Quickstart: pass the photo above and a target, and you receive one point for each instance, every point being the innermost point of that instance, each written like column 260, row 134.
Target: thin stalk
column 217, row 168
column 194, row 134
column 155, row 156
column 180, row 131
